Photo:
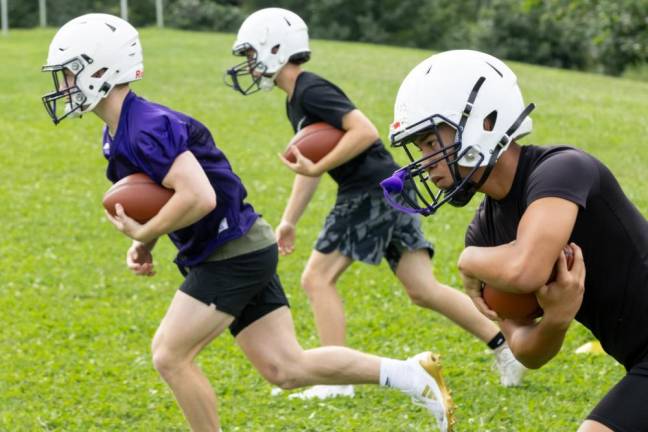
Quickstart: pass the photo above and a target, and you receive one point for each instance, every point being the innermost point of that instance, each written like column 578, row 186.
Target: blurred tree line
column 598, row 35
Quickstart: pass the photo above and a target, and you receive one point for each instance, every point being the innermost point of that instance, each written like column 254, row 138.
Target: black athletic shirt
column 610, row 230
column 316, row 99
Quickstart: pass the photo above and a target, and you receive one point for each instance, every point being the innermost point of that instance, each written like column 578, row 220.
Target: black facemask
column 59, row 104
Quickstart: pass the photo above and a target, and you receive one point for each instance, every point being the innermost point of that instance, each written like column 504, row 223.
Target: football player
column 464, row 112
column 361, row 226
column 226, row 251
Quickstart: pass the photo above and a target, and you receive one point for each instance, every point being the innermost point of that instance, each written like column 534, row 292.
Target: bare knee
column 424, row 294
column 313, row 282
column 282, row 372
column 166, row 363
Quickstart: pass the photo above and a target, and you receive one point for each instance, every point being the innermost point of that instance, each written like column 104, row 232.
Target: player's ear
column 489, row 121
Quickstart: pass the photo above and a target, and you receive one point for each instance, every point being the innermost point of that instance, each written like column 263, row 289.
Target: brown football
column 140, row 196
column 520, row 306
column 314, row 141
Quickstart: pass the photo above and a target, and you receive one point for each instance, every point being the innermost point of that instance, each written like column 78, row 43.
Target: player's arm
column 303, row 189
column 525, row 264
column 139, row 258
column 359, row 134
column 535, row 343
column 194, row 198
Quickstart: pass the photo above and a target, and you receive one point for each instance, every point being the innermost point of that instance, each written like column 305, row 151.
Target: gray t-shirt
column 258, row 237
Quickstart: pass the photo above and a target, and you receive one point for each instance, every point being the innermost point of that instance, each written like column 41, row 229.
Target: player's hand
column 562, row 298
column 473, row 288
column 285, row 234
column 302, row 164
column 127, row 225
column 139, row 259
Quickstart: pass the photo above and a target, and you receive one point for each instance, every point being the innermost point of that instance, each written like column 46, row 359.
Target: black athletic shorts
column 246, row 286
column 625, row 407
column 365, row 228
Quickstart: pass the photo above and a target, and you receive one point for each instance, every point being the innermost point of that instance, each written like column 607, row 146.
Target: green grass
column 74, row 344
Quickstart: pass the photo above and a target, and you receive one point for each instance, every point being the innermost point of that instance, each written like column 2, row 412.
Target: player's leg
column 213, row 296
column 593, row 426
column 188, row 326
column 408, row 253
column 623, row 409
column 415, row 273
column 270, row 344
column 318, row 281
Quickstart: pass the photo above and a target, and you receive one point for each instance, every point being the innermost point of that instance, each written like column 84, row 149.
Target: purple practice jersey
column 149, row 138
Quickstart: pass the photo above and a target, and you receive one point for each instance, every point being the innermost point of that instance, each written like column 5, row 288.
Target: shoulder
column 312, row 83
column 563, row 172
column 148, row 120
column 561, row 158
column 307, row 79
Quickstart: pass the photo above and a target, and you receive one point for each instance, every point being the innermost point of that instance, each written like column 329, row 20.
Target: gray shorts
column 364, row 227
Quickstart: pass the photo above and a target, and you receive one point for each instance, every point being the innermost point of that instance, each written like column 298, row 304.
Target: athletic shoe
column 429, row 389
column 511, row 371
column 324, row 392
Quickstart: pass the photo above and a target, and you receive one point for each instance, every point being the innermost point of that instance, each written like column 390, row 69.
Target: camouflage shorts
column 364, row 227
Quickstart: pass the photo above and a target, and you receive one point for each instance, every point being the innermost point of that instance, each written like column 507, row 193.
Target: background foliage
column 597, row 35
column 74, row 344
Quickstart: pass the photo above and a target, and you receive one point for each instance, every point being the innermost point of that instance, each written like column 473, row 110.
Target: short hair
column 300, row 58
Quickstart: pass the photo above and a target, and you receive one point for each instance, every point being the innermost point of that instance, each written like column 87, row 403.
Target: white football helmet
column 269, row 38
column 460, row 88
column 100, row 51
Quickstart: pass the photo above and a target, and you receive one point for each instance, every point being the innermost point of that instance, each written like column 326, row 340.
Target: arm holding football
column 360, row 133
column 543, row 231
column 534, row 343
column 194, row 197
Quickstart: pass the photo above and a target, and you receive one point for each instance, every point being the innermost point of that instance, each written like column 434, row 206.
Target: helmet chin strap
column 465, row 194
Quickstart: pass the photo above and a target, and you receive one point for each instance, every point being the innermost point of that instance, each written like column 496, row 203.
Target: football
column 140, row 196
column 314, row 141
column 520, row 306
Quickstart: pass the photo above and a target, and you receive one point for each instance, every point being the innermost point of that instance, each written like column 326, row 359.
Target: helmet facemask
column 98, row 52
column 249, row 76
column 415, row 175
column 71, row 96
column 455, row 154
column 270, row 38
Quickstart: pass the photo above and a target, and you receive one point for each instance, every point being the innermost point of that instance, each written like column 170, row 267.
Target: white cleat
column 511, row 371
column 430, row 390
column 324, row 392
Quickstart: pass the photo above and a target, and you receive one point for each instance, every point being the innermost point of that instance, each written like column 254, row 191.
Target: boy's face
column 252, row 62
column 439, row 173
column 68, row 81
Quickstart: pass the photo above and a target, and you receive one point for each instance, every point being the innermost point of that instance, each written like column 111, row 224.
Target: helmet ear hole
column 275, row 49
column 489, row 121
column 99, row 73
column 299, row 58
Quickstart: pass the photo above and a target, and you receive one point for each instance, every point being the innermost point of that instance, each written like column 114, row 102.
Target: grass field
column 76, row 326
